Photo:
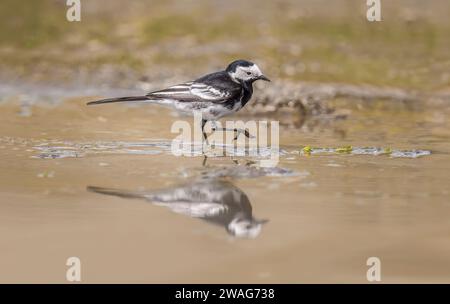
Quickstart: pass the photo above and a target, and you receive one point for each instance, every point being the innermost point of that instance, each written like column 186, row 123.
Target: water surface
column 101, row 184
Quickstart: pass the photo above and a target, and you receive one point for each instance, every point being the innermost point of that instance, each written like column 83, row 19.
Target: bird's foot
column 247, row 163
column 238, row 132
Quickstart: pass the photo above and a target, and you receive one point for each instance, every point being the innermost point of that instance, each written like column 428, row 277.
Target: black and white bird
column 214, row 201
column 214, row 95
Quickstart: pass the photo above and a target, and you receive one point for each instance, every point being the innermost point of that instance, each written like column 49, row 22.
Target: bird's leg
column 213, row 129
column 214, row 126
column 248, row 163
column 204, row 160
column 205, row 136
column 237, row 132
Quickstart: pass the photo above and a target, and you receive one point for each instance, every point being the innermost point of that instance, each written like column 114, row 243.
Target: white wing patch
column 179, row 89
column 194, row 89
column 208, row 92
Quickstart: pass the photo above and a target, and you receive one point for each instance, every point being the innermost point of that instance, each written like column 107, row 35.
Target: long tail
column 116, row 192
column 120, row 99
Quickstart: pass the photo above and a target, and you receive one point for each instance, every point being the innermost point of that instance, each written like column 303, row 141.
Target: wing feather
column 193, row 91
column 209, row 92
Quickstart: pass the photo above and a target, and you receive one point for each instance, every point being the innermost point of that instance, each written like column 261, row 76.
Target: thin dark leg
column 205, row 136
column 236, row 132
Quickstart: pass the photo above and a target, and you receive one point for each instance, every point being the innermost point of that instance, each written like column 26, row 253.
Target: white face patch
column 245, row 229
column 246, row 73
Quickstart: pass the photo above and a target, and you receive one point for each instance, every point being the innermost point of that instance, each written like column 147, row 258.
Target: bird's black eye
column 249, row 73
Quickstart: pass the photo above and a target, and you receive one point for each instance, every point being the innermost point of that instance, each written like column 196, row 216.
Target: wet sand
column 327, row 213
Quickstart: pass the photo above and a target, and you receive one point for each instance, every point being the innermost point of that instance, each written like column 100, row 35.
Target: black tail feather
column 120, row 99
column 115, row 192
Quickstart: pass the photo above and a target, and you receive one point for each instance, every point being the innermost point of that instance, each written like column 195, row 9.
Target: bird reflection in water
column 214, row 201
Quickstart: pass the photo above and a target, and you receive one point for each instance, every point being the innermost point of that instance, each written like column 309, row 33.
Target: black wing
column 215, row 87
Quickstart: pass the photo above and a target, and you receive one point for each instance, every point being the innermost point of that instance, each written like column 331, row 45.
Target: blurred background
column 120, row 43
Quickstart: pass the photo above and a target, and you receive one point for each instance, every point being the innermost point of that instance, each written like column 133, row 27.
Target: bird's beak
column 262, row 77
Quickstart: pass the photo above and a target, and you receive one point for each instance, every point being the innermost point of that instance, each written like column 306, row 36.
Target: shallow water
column 101, row 184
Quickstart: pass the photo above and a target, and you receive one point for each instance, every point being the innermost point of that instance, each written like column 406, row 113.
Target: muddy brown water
column 99, row 184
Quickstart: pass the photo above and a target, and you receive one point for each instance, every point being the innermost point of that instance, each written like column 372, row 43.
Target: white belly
column 210, row 111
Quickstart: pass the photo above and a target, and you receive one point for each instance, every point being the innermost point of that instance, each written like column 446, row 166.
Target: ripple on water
column 67, row 149
column 248, row 172
column 72, row 149
column 349, row 150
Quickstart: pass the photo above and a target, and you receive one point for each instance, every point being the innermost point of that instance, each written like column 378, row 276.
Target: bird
column 215, row 201
column 214, row 95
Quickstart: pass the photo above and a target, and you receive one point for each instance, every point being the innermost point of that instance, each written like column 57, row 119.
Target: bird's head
column 245, row 71
column 245, row 227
